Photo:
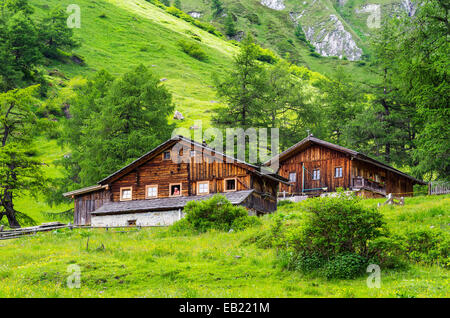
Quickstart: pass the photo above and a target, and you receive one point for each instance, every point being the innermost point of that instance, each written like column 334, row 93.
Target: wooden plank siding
column 326, row 159
column 193, row 168
column 316, row 157
column 87, row 203
column 394, row 183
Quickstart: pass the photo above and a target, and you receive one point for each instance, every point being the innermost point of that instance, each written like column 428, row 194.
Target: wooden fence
column 15, row 233
column 438, row 187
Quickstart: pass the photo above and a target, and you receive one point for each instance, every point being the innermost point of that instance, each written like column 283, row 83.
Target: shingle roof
column 162, row 204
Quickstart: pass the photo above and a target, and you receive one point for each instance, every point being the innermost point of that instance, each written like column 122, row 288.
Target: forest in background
column 105, row 120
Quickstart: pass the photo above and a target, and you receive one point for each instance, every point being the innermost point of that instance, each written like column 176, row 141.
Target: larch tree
column 20, row 172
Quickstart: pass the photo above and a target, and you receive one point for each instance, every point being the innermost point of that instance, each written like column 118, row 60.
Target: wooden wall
column 316, row 157
column 394, row 183
column 163, row 173
column 88, row 202
column 325, row 159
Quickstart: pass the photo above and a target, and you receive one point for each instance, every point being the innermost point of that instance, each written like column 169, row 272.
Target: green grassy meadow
column 153, row 262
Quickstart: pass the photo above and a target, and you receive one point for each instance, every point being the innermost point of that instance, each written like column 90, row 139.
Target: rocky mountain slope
column 335, row 28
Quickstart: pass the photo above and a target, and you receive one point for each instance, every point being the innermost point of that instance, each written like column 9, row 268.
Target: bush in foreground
column 215, row 213
column 334, row 241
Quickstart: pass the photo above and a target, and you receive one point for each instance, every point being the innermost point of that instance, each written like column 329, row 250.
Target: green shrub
column 245, row 222
column 345, row 266
column 215, row 213
column 193, row 49
column 387, row 252
column 334, row 240
column 284, row 203
column 266, row 55
column 181, row 228
column 428, row 247
column 253, row 18
column 308, row 263
column 338, row 225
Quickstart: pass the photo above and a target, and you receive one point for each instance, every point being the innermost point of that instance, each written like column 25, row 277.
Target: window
column 203, row 187
column 316, row 174
column 131, row 222
column 166, row 155
column 151, row 191
column 292, row 177
column 338, row 172
column 126, row 194
column 230, row 184
column 175, row 189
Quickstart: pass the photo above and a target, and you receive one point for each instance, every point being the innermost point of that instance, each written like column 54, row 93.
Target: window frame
column 316, row 176
column 121, row 193
column 174, row 184
column 163, row 155
column 294, row 173
column 146, row 191
column 225, row 184
column 341, row 175
column 198, row 187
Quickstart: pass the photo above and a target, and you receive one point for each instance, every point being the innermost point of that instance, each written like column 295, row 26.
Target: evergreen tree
column 242, row 89
column 216, row 7
column 299, row 33
column 177, row 4
column 421, row 55
column 230, row 28
column 115, row 122
column 22, row 43
column 54, row 34
column 19, row 170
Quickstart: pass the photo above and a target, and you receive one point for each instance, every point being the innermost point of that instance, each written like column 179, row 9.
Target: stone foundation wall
column 164, row 218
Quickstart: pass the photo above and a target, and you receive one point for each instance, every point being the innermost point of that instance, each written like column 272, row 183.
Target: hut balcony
column 359, row 183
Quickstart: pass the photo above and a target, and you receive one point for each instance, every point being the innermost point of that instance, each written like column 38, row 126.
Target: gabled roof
column 167, row 144
column 164, row 204
column 310, row 140
column 84, row 190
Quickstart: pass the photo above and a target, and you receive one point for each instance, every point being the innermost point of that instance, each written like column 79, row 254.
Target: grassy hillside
column 118, row 35
column 276, row 29
column 154, row 263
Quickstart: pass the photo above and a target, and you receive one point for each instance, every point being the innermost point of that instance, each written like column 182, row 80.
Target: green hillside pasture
column 152, row 263
column 118, row 35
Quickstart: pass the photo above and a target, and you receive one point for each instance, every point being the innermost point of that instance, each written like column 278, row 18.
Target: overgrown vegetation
column 334, row 239
column 216, row 213
column 339, row 237
column 155, row 262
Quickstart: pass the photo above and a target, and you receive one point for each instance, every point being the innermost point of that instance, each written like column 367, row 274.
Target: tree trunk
column 8, row 205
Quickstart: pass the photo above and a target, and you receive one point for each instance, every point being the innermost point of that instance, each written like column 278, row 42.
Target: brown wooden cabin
column 153, row 189
column 314, row 166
